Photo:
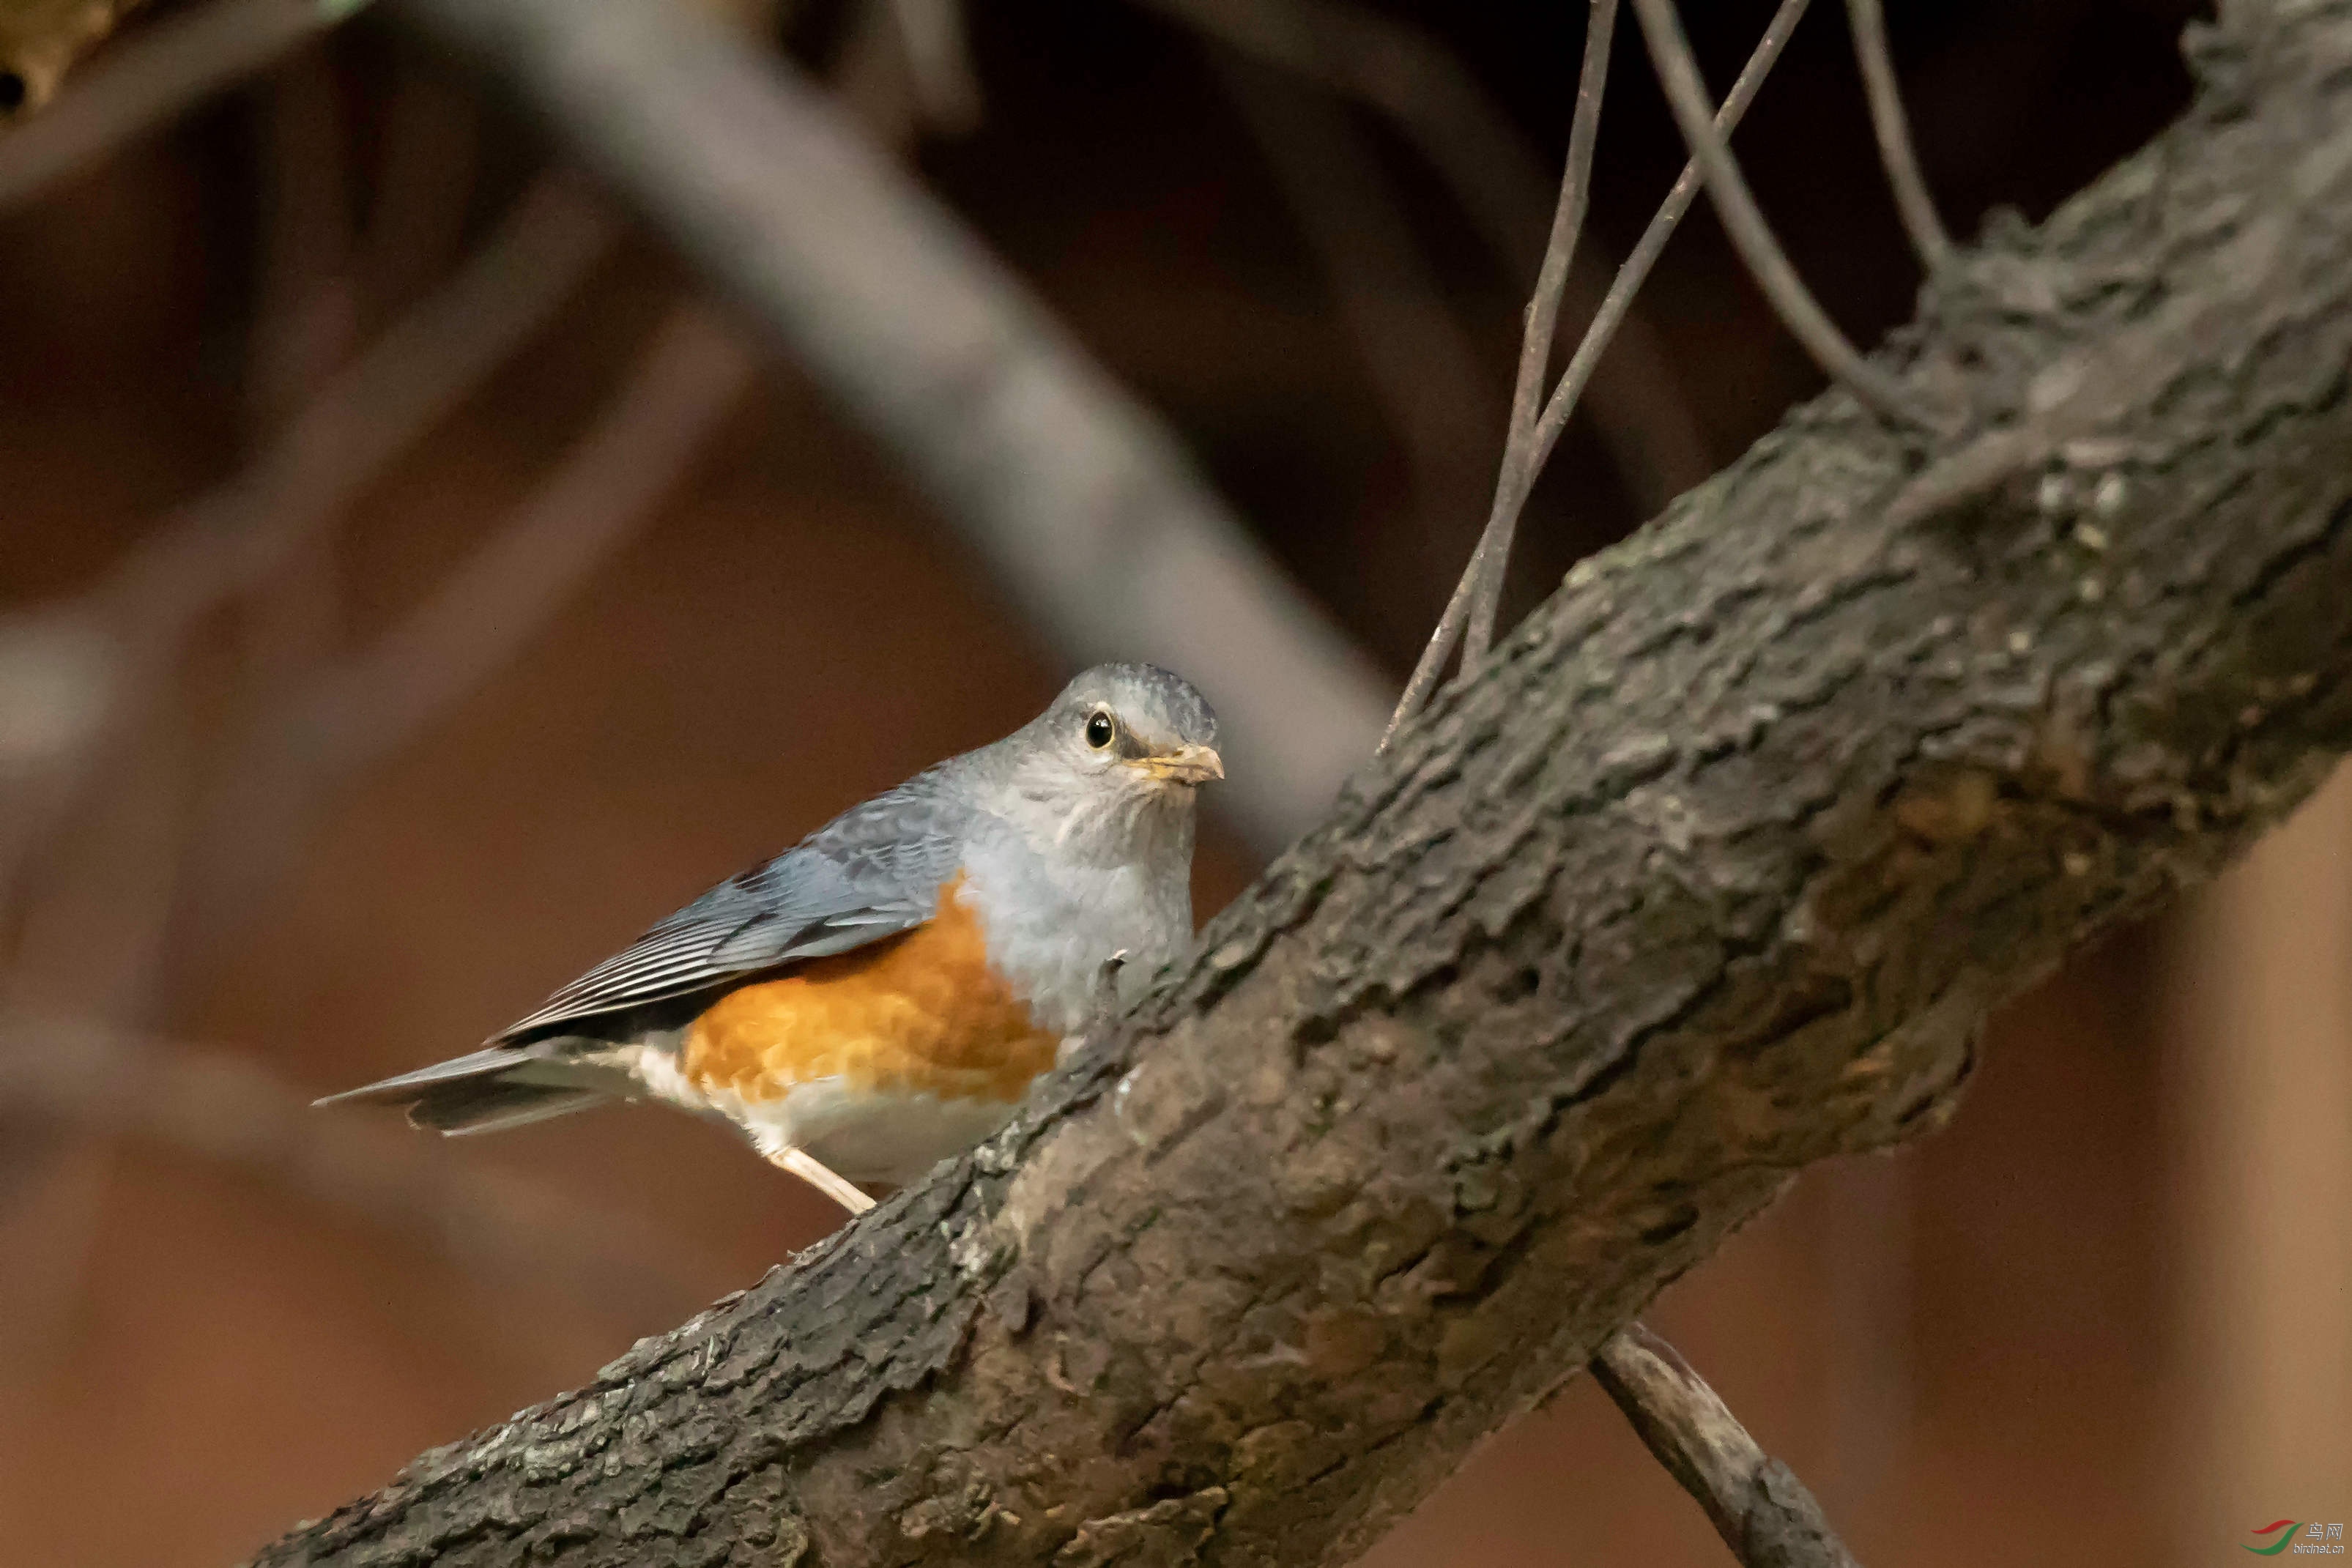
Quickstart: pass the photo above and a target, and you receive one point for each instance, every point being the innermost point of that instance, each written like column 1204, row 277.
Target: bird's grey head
column 1111, row 767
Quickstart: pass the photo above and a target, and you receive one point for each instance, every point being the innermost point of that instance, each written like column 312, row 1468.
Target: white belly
column 860, row 1134
column 864, row 1135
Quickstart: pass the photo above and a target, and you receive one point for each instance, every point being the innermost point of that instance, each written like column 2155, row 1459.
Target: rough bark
column 1711, row 869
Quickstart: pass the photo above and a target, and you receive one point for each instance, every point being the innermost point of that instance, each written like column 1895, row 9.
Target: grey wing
column 871, row 873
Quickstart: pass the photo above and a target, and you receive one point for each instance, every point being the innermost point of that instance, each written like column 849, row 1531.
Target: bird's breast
column 925, row 1012
column 1051, row 924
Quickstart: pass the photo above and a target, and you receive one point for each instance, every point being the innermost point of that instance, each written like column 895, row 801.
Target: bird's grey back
column 872, row 872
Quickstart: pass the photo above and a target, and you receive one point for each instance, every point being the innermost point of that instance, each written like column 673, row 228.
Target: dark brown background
column 2103, row 1317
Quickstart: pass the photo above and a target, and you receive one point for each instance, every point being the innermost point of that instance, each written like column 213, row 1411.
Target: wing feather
column 869, row 873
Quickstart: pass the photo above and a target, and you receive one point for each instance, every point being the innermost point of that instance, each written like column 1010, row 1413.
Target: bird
column 879, row 997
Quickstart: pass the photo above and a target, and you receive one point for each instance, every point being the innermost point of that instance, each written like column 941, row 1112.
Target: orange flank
column 920, row 1013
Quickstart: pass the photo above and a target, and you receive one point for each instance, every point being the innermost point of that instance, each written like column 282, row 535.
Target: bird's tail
column 498, row 1087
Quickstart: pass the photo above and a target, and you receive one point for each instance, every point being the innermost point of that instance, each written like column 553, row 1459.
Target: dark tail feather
column 474, row 1093
column 493, row 1107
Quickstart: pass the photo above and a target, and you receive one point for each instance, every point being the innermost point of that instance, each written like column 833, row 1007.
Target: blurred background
column 641, row 605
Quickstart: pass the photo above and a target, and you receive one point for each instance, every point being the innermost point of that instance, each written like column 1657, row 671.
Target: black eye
column 1099, row 729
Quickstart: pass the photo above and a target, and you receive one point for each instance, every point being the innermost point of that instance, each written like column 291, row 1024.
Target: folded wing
column 870, row 873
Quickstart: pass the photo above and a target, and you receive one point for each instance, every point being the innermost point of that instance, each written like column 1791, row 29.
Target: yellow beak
column 1185, row 765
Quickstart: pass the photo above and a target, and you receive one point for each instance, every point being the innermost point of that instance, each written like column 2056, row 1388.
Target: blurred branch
column 604, row 488
column 1752, row 236
column 1421, row 361
column 58, row 701
column 1522, row 463
column 169, row 65
column 306, row 319
column 939, row 62
column 408, row 380
column 92, row 941
column 1762, row 1512
column 1080, row 498
column 1867, row 21
column 223, row 1106
column 876, row 83
column 305, row 328
column 1413, row 80
column 113, row 645
column 1714, row 872
column 424, row 184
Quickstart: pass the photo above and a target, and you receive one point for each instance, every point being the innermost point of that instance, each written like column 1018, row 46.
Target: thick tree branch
column 1711, row 869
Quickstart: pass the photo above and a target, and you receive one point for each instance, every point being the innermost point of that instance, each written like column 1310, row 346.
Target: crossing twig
column 1752, row 236
column 1614, row 309
column 1472, row 608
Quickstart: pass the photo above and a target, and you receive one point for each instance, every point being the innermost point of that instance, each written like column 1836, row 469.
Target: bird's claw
column 1106, row 986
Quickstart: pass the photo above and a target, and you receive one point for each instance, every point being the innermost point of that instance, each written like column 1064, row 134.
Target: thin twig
column 1761, row 1509
column 1614, row 310
column 164, row 67
column 1634, row 270
column 1469, row 607
column 352, row 716
column 1412, row 79
column 1867, row 21
column 1752, row 236
column 1517, row 475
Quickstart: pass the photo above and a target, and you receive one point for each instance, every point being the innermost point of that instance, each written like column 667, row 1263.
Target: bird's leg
column 822, row 1178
